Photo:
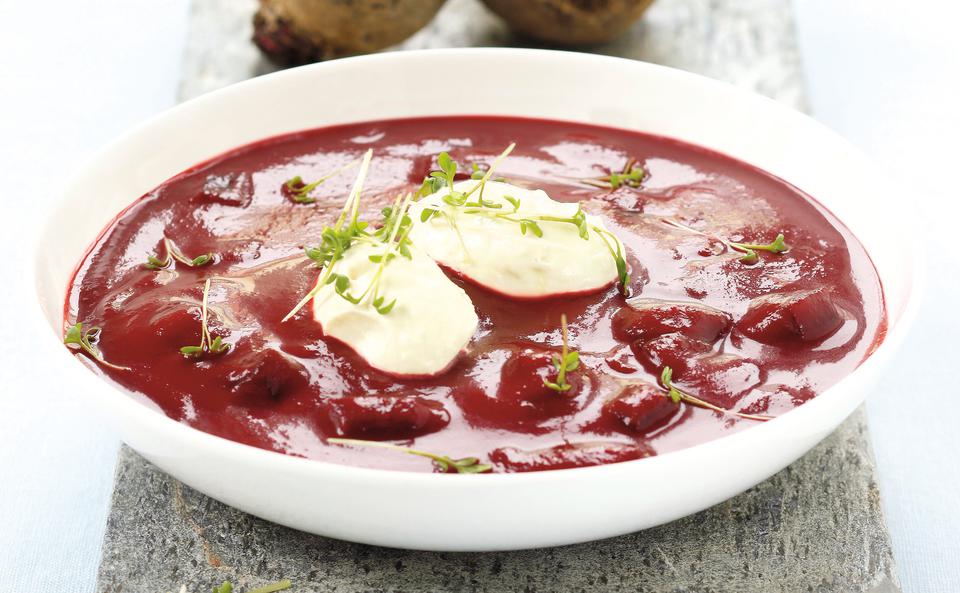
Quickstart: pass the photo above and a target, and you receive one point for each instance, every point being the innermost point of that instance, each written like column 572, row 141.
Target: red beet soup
column 745, row 298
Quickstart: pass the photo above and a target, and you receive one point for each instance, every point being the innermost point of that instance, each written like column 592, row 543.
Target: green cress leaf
column 749, row 257
column 477, row 172
column 630, row 176
column 447, row 165
column 527, row 224
column 381, row 308
column 172, row 253
column 427, row 213
column 299, row 191
column 155, row 263
column 469, row 465
column 430, row 185
column 666, row 379
column 85, row 340
column 778, row 245
column 613, row 247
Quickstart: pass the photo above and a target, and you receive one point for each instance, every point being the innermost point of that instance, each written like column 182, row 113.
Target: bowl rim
column 128, row 404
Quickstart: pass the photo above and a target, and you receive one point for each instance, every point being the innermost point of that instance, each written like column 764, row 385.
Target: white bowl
column 492, row 512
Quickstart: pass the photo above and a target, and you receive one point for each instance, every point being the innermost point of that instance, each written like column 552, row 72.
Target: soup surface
column 749, row 327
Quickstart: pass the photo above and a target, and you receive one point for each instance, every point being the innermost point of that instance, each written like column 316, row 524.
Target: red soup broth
column 754, row 339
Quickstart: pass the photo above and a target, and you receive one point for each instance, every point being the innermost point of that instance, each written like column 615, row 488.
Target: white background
column 73, row 75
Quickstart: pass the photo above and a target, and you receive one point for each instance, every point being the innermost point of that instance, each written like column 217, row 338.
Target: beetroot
column 263, row 377
column 567, row 455
column 774, row 399
column 640, row 408
column 721, row 379
column 376, row 417
column 670, row 350
column 791, row 317
column 644, row 319
column 521, row 400
column 715, row 377
column 523, row 375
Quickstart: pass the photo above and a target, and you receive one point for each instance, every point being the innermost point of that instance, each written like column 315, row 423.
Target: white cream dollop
column 430, row 324
column 494, row 253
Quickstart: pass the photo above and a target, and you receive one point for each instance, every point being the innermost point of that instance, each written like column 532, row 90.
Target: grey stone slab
column 817, row 526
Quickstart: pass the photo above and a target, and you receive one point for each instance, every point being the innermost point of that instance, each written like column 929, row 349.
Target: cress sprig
column 337, row 239
column 78, row 338
column 463, row 465
column 749, row 250
column 299, row 191
column 568, row 361
column 778, row 245
column 208, row 344
column 459, row 202
column 154, row 262
column 392, row 237
column 630, row 176
column 677, row 395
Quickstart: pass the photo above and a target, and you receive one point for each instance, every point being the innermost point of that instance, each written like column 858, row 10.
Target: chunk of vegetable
column 789, row 317
column 567, row 455
column 644, row 319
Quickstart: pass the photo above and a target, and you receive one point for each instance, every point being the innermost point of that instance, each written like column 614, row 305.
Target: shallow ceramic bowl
column 494, row 512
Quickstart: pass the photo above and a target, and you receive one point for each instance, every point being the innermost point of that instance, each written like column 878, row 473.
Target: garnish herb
column 749, row 250
column 613, row 246
column 430, row 185
column 300, row 191
column 477, row 172
column 464, row 465
column 227, row 587
column 677, row 395
column 480, row 207
column 208, row 344
column 567, row 362
column 85, row 340
column 393, row 225
column 630, row 176
column 336, row 240
column 448, row 172
column 392, row 236
column 172, row 253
